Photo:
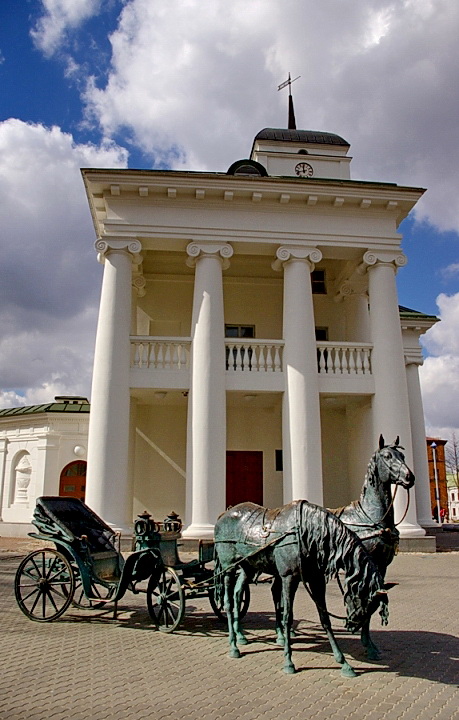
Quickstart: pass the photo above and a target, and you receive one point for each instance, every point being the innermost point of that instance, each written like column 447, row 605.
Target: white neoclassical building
column 250, row 344
column 42, row 452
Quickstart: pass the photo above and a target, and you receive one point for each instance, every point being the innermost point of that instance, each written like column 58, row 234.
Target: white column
column 302, row 448
column 108, row 486
column 356, row 308
column 418, row 433
column 206, row 441
column 390, row 407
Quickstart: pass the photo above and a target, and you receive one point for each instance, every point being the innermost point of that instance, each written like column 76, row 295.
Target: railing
column 254, row 355
column 160, row 353
column 344, row 358
column 263, row 356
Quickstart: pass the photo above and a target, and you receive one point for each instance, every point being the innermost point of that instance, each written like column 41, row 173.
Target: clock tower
column 302, row 154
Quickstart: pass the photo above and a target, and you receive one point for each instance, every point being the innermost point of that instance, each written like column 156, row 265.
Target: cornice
column 198, row 190
column 41, row 421
column 126, row 179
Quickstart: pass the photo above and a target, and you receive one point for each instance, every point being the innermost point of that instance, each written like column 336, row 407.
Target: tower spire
column 291, row 111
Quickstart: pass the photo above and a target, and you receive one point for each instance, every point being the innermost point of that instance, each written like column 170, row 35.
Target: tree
column 452, row 458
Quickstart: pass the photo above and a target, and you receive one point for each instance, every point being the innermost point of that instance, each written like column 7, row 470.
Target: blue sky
column 187, row 84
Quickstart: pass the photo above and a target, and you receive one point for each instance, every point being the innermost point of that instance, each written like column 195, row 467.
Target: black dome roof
column 301, row 136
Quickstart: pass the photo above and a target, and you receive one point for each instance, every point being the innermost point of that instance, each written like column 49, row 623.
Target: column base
column 409, row 530
column 428, row 523
column 198, row 532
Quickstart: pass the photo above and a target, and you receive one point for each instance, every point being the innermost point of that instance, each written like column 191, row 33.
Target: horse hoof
column 280, row 641
column 234, row 653
column 242, row 640
column 289, row 669
column 347, row 671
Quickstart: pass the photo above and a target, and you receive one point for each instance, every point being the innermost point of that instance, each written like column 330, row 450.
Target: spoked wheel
column 219, row 610
column 166, row 600
column 44, row 585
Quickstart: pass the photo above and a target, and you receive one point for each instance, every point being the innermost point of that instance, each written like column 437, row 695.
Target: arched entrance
column 73, row 480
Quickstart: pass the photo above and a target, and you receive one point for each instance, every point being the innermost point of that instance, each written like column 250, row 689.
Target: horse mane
column 336, row 548
column 371, row 473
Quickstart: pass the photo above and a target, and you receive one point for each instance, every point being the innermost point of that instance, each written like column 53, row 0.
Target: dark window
column 318, row 282
column 321, row 334
column 240, row 331
column 279, row 461
column 76, row 468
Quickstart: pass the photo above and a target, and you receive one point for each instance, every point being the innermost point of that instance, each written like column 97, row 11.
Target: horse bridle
column 374, row 524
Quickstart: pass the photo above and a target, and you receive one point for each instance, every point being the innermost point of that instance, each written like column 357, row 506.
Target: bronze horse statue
column 372, row 516
column 297, row 542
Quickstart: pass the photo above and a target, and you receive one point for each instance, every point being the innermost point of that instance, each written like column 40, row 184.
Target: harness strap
column 246, row 557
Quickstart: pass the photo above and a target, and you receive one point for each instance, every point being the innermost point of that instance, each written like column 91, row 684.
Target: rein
column 246, row 557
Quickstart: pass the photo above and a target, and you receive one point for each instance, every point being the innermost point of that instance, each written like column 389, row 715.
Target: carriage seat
column 169, row 551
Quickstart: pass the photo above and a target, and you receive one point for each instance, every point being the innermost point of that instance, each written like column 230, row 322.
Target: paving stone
column 86, row 666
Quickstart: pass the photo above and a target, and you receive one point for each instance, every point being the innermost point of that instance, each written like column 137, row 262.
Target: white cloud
column 440, row 373
column 192, row 82
column 450, row 271
column 60, row 16
column 49, row 275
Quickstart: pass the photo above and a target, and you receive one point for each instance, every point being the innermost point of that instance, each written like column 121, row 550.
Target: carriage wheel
column 166, row 599
column 218, row 607
column 39, row 585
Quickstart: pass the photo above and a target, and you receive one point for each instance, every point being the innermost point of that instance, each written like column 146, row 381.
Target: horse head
column 359, row 610
column 389, row 461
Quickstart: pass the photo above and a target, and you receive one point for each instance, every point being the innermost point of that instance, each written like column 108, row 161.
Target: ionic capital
column 196, row 250
column 350, row 288
column 130, row 245
column 413, row 356
column 138, row 285
column 289, row 253
column 375, row 258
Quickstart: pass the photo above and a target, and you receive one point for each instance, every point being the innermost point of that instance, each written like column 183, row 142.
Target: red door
column 73, row 480
column 244, row 476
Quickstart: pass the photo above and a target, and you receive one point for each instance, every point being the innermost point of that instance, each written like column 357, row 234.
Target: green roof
column 60, row 405
column 415, row 314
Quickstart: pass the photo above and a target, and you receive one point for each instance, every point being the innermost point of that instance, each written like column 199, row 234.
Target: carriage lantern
column 173, row 522
column 146, row 532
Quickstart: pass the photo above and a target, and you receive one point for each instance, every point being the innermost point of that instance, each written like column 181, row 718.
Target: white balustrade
column 344, row 358
column 173, row 353
column 160, row 353
column 254, row 355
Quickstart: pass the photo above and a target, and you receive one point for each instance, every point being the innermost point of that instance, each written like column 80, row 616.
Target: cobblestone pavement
column 86, row 666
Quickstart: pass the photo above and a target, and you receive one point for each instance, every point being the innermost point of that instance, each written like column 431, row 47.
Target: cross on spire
column 291, row 111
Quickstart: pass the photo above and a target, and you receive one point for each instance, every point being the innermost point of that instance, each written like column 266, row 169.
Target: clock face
column 304, row 169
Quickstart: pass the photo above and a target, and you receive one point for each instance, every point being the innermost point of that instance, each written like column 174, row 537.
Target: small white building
column 453, row 503
column 42, row 452
column 250, row 344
